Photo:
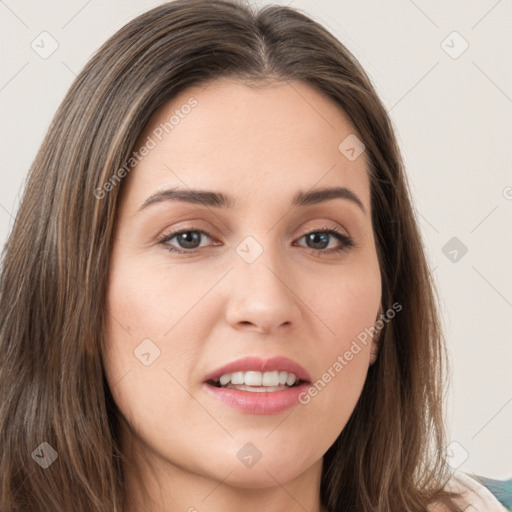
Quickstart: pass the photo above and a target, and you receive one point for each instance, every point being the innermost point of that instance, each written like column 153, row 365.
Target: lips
column 257, row 364
column 251, row 396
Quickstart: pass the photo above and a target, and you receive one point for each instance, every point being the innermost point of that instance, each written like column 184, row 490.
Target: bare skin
column 207, row 306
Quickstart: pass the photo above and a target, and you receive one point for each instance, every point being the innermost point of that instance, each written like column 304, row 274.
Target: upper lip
column 258, row 364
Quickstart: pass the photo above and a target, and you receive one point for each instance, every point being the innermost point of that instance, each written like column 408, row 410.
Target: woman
column 215, row 294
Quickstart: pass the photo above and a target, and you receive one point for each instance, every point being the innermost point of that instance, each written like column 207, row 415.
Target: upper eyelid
column 325, row 225
column 169, row 236
column 321, row 229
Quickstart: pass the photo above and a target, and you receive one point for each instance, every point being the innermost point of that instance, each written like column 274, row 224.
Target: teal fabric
column 502, row 489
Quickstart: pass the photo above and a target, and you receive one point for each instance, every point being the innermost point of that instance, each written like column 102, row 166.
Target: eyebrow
column 220, row 200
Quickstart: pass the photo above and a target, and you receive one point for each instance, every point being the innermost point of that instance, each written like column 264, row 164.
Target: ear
column 376, row 339
column 375, row 349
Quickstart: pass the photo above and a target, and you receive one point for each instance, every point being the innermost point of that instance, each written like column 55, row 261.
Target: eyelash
column 346, row 242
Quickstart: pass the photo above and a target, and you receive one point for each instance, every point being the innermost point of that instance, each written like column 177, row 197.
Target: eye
column 323, row 240
column 187, row 240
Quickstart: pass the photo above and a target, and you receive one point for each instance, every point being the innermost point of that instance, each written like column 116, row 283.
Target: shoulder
column 471, row 494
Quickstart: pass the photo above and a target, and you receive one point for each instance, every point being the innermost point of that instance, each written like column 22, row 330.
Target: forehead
column 227, row 135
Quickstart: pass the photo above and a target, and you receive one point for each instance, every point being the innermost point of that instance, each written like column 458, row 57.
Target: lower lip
column 270, row 402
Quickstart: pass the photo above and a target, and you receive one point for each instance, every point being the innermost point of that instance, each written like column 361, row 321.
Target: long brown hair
column 55, row 264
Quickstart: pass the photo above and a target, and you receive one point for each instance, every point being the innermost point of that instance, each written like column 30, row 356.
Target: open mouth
column 256, row 385
column 257, row 382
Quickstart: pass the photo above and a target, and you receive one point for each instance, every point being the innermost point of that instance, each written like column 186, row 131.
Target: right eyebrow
column 204, row 197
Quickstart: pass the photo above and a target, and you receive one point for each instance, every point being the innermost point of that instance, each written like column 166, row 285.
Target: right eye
column 188, row 240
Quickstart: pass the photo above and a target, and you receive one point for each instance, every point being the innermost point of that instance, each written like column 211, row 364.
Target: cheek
column 347, row 303
column 348, row 306
column 146, row 359
column 139, row 314
column 150, row 298
column 154, row 302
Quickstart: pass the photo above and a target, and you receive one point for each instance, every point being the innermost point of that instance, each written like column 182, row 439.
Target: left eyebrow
column 220, row 200
column 326, row 194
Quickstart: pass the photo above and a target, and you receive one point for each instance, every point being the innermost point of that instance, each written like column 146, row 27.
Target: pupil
column 189, row 239
column 321, row 239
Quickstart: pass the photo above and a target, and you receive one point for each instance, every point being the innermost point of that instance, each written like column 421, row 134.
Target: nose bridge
column 261, row 293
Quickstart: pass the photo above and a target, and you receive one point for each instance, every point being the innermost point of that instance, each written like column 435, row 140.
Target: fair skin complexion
column 207, row 306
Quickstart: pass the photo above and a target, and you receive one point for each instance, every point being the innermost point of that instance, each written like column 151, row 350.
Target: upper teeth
column 274, row 378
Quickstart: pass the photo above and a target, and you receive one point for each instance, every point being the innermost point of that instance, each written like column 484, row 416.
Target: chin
column 251, row 468
column 263, row 476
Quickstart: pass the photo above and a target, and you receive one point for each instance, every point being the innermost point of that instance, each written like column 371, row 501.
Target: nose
column 262, row 296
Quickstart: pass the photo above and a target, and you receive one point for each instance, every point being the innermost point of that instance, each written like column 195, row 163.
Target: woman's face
column 261, row 274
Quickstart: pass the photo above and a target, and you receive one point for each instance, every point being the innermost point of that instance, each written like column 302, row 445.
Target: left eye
column 321, row 240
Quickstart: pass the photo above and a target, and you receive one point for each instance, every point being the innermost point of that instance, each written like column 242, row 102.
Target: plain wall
column 452, row 115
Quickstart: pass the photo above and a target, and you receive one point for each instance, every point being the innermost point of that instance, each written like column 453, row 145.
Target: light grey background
column 453, row 121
